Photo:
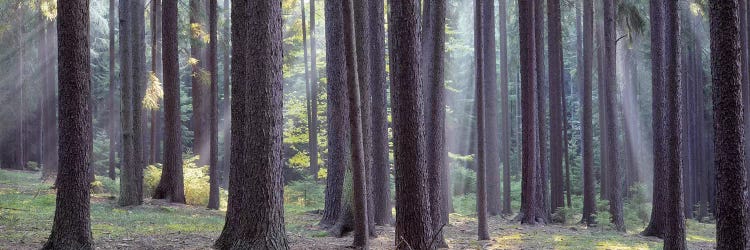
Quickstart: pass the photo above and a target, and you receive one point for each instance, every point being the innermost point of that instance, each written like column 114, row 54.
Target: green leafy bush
column 32, row 166
column 602, row 216
column 196, row 180
column 306, row 193
column 463, row 180
column 465, row 204
column 637, row 207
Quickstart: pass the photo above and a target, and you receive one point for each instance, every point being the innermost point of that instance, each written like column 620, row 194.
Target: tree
column 50, row 160
column 225, row 106
column 133, row 77
column 71, row 228
column 112, row 128
column 171, row 184
column 492, row 128
column 555, row 104
column 589, row 193
column 213, row 66
column 541, row 193
column 308, row 97
column 156, row 10
column 338, row 116
column 255, row 214
column 481, row 169
column 674, row 235
column 381, row 169
column 657, row 224
column 731, row 211
column 314, row 168
column 433, row 47
column 413, row 224
column 505, row 105
column 610, row 88
column 199, row 81
column 528, row 103
column 359, row 161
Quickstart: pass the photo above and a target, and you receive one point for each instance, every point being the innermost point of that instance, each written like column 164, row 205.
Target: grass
column 27, row 209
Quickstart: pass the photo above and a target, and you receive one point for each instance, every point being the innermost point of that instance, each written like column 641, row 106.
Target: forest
column 374, row 124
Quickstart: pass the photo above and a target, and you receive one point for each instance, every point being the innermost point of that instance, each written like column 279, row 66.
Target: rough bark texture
column 255, row 214
column 413, row 224
column 505, row 105
column 433, row 47
column 71, row 228
column 338, row 115
column 616, row 174
column 656, row 225
column 111, row 127
column 213, row 68
column 604, row 158
column 529, row 119
column 480, row 75
column 589, row 192
column 381, row 168
column 359, row 160
column 541, row 112
column 171, row 184
column 674, row 235
column 225, row 106
column 555, row 104
column 731, row 200
column 133, row 64
column 492, row 128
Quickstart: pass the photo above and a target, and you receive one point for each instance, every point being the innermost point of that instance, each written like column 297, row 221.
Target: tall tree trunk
column 131, row 177
column 604, row 158
column 610, row 86
column 589, row 193
column 556, row 102
column 356, row 105
column 313, row 130
column 505, row 104
column 480, row 75
column 112, row 128
column 308, row 98
column 225, row 106
column 156, row 70
column 541, row 111
column 50, row 160
column 171, row 185
column 731, row 211
column 213, row 66
column 381, row 163
column 255, row 216
column 413, row 222
column 674, row 235
column 198, row 80
column 529, row 119
column 71, row 228
column 21, row 103
column 492, row 128
column 338, row 116
column 657, row 224
column 744, row 59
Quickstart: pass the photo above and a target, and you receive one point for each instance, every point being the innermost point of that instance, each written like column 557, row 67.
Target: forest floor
column 27, row 209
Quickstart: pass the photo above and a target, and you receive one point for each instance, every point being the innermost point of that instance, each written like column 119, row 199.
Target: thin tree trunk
column 480, row 74
column 225, row 112
column 589, row 193
column 213, row 66
column 71, row 228
column 506, row 116
column 111, row 102
column 492, row 128
column 556, row 103
column 616, row 180
column 313, row 96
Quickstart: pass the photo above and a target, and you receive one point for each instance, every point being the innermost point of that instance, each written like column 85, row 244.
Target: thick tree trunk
column 731, row 200
column 255, row 215
column 541, row 112
column 589, row 193
column 657, row 224
column 413, row 222
column 171, row 185
column 71, row 228
column 480, row 75
column 492, row 128
column 529, row 119
column 556, row 102
column 381, row 168
column 131, row 177
column 338, row 115
column 610, row 87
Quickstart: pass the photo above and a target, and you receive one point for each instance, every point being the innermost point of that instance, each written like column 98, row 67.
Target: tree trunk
column 213, row 197
column 413, row 222
column 338, row 116
column 492, row 128
column 480, row 75
column 255, row 216
column 505, row 105
column 541, row 111
column 731, row 211
column 308, row 97
column 657, row 224
column 171, row 185
column 313, row 96
column 528, row 101
column 50, row 160
column 199, row 82
column 131, row 177
column 381, row 163
column 556, row 102
column 589, row 193
column 610, row 86
column 112, row 128
column 433, row 41
column 156, row 70
column 604, row 157
column 225, row 106
column 71, row 228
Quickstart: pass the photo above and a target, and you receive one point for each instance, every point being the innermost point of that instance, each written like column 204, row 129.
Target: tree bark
column 213, row 66
column 505, row 105
column 731, row 200
column 589, row 193
column 381, row 163
column 526, row 22
column 413, row 223
column 657, row 224
column 610, row 86
column 71, row 228
column 492, row 128
column 313, row 96
column 480, row 75
column 199, row 84
column 338, row 116
column 556, row 102
column 255, row 215
column 542, row 193
column 112, row 128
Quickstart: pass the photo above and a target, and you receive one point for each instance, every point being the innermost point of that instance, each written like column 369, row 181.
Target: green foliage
column 637, row 207
column 32, row 166
column 306, row 193
column 465, row 204
column 196, row 180
column 602, row 216
column 463, row 180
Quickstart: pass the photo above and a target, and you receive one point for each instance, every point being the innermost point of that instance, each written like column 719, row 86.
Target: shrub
column 602, row 216
column 305, row 193
column 196, row 181
column 32, row 166
column 637, row 207
column 464, row 180
column 465, row 204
